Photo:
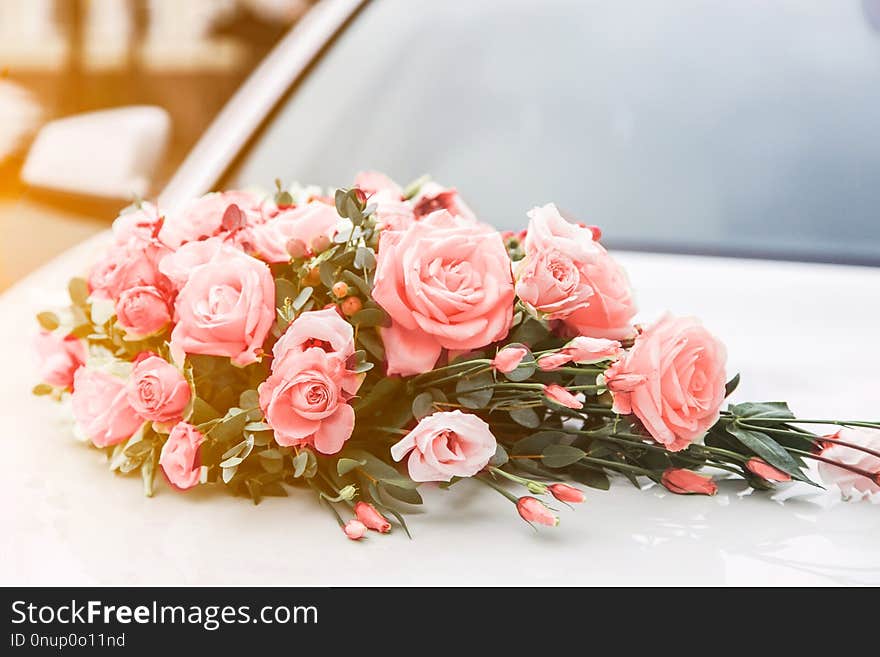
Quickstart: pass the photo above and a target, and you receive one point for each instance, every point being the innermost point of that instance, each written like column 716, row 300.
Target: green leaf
column 353, row 279
column 561, row 456
column 369, row 317
column 531, row 332
column 284, row 290
column 371, row 342
column 423, row 405
column 78, row 289
column 408, row 495
column 48, row 321
column 148, row 474
column 201, row 412
column 345, row 465
column 731, row 386
column 138, row 449
column 768, row 410
column 526, row 417
column 42, row 389
column 590, row 477
column 302, row 297
column 249, row 399
column 378, row 469
column 500, row 457
column 300, row 462
column 475, row 392
column 765, row 447
column 365, row 258
column 537, row 442
column 257, row 426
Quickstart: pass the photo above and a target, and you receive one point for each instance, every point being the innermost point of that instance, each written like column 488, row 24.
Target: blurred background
column 744, row 129
column 66, row 57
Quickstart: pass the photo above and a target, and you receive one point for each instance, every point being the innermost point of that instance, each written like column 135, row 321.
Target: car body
column 794, row 330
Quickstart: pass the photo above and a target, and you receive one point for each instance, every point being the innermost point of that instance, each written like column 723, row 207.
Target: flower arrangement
column 362, row 344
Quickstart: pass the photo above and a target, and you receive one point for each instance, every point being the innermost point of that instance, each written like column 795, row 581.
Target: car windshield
column 746, row 128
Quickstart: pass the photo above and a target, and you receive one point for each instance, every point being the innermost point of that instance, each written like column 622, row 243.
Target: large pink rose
column 304, row 223
column 611, row 309
column 143, row 311
column 59, row 358
column 849, row 482
column 552, row 284
column 446, row 283
column 317, row 328
column 131, row 264
column 203, row 217
column 180, row 456
column 157, row 390
column 178, row 266
column 672, row 380
column 433, row 197
column 101, row 407
column 305, row 399
column 549, row 231
column 446, row 445
column 225, row 308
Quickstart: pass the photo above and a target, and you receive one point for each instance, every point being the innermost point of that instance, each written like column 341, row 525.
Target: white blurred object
column 107, row 36
column 19, row 117
column 30, row 38
column 111, row 153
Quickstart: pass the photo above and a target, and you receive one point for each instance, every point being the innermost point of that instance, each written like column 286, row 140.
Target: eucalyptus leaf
column 765, row 410
column 561, row 456
column 346, row 465
column 475, row 392
column 48, row 321
column 526, row 417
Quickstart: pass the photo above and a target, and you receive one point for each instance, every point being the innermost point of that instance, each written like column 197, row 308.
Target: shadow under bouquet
column 359, row 345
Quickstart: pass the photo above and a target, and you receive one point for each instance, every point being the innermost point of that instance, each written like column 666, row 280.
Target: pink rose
column 142, row 311
column 549, row 232
column 374, row 182
column 203, row 217
column 225, row 308
column 101, row 408
column 177, row 266
column 433, row 197
column 766, row 471
column 124, row 266
column 371, row 518
column 59, row 358
column 552, row 284
column 612, row 307
column 672, row 380
column 508, row 359
column 304, row 223
column 851, row 483
column 180, row 456
column 532, row 509
column 583, row 351
column 686, row 482
column 317, row 328
column 305, row 399
column 141, row 223
column 446, row 283
column 556, row 393
column 446, row 445
column 391, row 213
column 157, row 390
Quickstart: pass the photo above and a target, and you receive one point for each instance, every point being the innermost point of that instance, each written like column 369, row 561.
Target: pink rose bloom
column 583, row 351
column 446, row 283
column 508, row 359
column 374, row 182
column 556, row 393
column 225, row 308
column 180, row 456
column 433, row 197
column 59, row 358
column 157, row 390
column 354, row 529
column 612, row 307
column 203, row 217
column 177, row 266
column 142, row 311
column 101, row 408
column 446, row 445
column 851, row 483
column 532, row 509
column 672, row 380
column 305, row 399
column 304, row 223
column 141, row 223
column 124, row 266
column 317, row 328
column 371, row 518
column 391, row 213
column 548, row 232
column 766, row 471
column 686, row 482
column 552, row 284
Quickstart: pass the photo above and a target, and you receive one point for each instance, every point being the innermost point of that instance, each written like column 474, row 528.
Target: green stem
column 496, row 487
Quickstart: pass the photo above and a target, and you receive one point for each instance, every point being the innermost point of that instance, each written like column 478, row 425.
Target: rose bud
column 361, row 197
column 766, row 471
column 566, row 493
column 354, row 529
column 340, row 289
column 508, row 359
column 556, row 393
column 297, row 248
column 351, row 305
column 320, row 243
column 371, row 518
column 686, row 482
column 533, row 510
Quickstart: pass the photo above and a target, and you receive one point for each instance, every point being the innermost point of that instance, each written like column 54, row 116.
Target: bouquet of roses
column 361, row 344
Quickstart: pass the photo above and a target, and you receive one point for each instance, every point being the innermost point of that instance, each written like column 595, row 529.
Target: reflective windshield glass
column 747, row 127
